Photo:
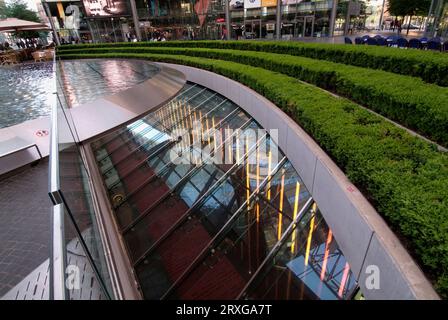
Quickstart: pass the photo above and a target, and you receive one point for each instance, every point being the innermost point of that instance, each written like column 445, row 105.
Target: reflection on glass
column 205, row 199
column 75, row 189
column 85, row 81
column 309, row 265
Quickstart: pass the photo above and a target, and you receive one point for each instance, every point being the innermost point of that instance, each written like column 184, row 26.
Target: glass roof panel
column 206, row 203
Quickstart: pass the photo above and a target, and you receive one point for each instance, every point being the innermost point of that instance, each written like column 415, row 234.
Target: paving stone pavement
column 24, row 224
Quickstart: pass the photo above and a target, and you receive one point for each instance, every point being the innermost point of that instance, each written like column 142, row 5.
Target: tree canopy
column 408, row 7
column 18, row 9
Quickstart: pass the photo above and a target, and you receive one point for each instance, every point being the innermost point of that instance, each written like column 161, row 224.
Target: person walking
column 399, row 27
column 224, row 34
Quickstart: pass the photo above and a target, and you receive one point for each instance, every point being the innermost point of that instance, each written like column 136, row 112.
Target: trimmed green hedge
column 411, row 102
column 431, row 66
column 404, row 177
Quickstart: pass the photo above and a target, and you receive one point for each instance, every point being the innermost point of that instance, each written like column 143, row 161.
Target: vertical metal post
column 91, row 31
column 347, row 18
column 55, row 34
column 278, row 25
column 334, row 10
column 57, row 288
column 437, row 14
column 431, row 7
column 113, row 28
column 136, row 22
column 227, row 9
column 382, row 15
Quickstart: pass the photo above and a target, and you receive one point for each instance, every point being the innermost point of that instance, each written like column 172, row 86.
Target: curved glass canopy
column 210, row 208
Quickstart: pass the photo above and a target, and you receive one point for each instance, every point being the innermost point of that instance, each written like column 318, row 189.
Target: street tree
column 409, row 8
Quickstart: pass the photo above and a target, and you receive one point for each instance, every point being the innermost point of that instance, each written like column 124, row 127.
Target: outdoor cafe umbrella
column 15, row 25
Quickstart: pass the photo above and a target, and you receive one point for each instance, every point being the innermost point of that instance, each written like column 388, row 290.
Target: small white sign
column 248, row 4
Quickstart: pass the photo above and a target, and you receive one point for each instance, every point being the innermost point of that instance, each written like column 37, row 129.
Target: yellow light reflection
column 162, row 117
column 310, row 234
column 208, row 130
column 179, row 116
column 181, row 112
column 238, row 146
column 230, row 145
column 280, row 208
column 327, row 252
column 173, row 117
column 269, row 175
column 296, row 208
column 222, row 145
column 60, row 10
column 184, row 107
column 202, row 129
column 258, row 184
column 344, row 279
column 195, row 123
column 247, row 175
column 214, row 134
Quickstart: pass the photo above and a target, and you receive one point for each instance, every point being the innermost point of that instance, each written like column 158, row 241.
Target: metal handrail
column 57, row 290
column 61, row 210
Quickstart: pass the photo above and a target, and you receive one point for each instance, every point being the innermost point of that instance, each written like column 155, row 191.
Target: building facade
column 130, row 20
column 437, row 23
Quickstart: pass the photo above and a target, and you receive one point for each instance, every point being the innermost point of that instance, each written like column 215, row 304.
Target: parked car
column 411, row 27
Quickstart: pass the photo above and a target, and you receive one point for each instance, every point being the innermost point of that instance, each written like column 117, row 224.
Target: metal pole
column 334, row 10
column 91, row 31
column 227, row 8
column 347, row 19
column 136, row 22
column 437, row 17
column 428, row 17
column 55, row 34
column 113, row 28
column 382, row 14
column 278, row 25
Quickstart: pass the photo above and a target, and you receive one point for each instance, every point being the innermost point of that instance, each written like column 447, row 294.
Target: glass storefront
column 181, row 19
column 63, row 16
column 163, row 20
column 306, row 18
column 437, row 24
column 84, row 21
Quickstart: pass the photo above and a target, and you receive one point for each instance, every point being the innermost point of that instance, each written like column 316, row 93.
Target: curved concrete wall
column 361, row 233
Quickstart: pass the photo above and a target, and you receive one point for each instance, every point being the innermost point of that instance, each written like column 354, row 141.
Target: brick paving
column 24, row 224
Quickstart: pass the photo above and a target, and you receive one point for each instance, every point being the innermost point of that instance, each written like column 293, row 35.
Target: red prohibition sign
column 42, row 133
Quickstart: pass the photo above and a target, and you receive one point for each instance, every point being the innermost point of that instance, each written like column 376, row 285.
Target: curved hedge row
column 411, row 102
column 431, row 66
column 405, row 178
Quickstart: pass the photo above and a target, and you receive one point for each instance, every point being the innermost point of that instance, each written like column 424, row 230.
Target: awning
column 14, row 24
